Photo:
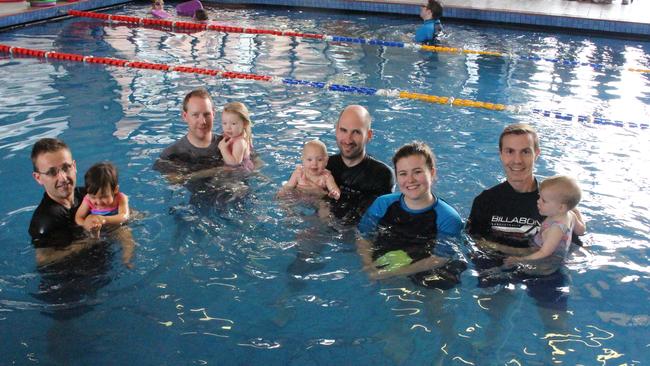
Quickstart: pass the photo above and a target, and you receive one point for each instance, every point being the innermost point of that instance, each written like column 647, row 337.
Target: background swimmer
column 311, row 176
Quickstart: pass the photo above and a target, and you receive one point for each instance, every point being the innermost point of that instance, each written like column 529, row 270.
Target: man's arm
column 46, row 256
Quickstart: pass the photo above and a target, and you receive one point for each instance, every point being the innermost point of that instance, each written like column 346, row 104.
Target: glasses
column 54, row 171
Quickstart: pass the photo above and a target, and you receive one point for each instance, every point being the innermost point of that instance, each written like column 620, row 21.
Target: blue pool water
column 211, row 283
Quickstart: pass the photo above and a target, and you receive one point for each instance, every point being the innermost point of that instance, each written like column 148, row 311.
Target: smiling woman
column 226, row 273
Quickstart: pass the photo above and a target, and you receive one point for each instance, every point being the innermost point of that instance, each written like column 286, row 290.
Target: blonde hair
column 568, row 190
column 317, row 144
column 240, row 110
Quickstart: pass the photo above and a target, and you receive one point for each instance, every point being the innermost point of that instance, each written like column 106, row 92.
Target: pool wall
column 410, row 7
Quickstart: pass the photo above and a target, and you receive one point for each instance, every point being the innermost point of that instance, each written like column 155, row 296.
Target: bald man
column 360, row 177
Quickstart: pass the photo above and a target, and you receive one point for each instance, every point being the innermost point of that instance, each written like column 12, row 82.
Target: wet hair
column 154, row 2
column 46, row 145
column 240, row 110
column 519, row 129
column 199, row 93
column 100, row 176
column 201, row 14
column 317, row 144
column 567, row 189
column 415, row 148
column 436, row 9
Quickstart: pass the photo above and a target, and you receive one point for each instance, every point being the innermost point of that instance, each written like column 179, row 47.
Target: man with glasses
column 53, row 228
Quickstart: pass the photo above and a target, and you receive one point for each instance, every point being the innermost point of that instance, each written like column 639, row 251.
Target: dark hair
column 200, row 93
column 415, row 148
column 519, row 129
column 99, row 176
column 436, row 9
column 46, row 145
column 201, row 14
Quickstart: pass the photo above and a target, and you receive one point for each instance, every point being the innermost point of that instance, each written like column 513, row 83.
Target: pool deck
column 616, row 19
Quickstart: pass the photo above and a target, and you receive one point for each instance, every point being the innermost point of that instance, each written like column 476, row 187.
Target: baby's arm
column 122, row 211
column 332, row 189
column 91, row 223
column 295, row 177
column 579, row 226
column 552, row 238
column 235, row 154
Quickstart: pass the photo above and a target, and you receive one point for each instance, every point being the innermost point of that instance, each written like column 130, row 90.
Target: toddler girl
column 104, row 204
column 558, row 198
column 237, row 141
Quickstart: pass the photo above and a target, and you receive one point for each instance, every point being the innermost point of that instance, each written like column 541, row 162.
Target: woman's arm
column 422, row 265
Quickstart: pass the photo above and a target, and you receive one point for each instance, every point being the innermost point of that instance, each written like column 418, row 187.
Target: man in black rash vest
column 52, row 228
column 360, row 177
column 197, row 150
column 502, row 221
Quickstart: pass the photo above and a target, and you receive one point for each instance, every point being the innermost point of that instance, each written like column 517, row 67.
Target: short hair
column 100, row 176
column 317, row 144
column 519, row 129
column 435, row 7
column 568, row 190
column 241, row 110
column 199, row 93
column 46, row 145
column 201, row 14
column 415, row 148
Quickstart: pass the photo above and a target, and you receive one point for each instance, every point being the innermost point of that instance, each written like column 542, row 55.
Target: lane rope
column 51, row 56
column 191, row 26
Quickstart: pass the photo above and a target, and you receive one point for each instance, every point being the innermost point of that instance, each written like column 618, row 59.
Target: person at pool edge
column 52, row 228
column 199, row 149
column 360, row 177
column 505, row 217
column 430, row 14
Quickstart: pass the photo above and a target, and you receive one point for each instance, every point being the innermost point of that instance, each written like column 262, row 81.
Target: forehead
column 53, row 159
column 352, row 121
column 313, row 150
column 197, row 103
column 230, row 116
column 411, row 162
column 518, row 142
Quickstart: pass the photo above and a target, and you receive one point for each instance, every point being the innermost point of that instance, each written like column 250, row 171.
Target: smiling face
column 232, row 124
column 353, row 133
column 57, row 173
column 518, row 156
column 414, row 179
column 314, row 159
column 199, row 115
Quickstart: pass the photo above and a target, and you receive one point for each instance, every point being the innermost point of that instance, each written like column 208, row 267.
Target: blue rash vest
column 427, row 31
column 395, row 226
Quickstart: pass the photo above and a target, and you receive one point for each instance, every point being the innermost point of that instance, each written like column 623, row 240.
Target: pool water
column 215, row 278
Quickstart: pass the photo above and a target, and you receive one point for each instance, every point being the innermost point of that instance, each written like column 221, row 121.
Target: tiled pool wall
column 410, row 7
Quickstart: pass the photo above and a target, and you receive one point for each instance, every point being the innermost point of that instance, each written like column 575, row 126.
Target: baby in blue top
column 431, row 14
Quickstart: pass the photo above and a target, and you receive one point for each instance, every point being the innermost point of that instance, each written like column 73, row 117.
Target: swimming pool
column 210, row 283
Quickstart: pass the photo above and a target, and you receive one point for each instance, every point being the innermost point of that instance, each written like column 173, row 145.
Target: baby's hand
column 224, row 143
column 334, row 193
column 510, row 262
column 93, row 224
